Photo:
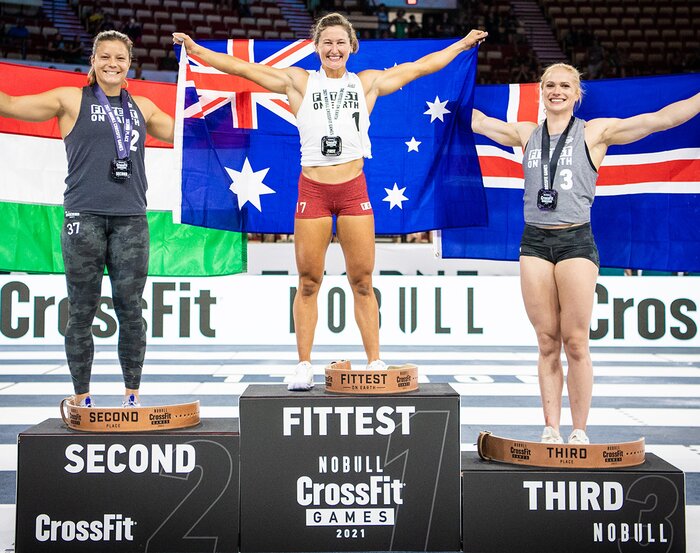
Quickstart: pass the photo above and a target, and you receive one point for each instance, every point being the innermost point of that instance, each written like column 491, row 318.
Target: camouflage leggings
column 89, row 243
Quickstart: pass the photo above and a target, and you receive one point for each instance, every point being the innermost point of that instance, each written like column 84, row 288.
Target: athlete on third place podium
column 558, row 255
column 332, row 108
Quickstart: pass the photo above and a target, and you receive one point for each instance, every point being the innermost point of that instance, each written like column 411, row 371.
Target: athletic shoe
column 303, row 378
column 551, row 436
column 131, row 401
column 376, row 365
column 86, row 402
column 579, row 437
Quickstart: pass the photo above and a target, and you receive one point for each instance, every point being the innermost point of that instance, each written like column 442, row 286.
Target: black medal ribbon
column 121, row 165
column 547, row 196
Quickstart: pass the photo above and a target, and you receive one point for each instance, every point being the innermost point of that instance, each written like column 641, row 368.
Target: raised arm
column 624, row 131
column 506, row 134
column 380, row 83
column 40, row 107
column 281, row 81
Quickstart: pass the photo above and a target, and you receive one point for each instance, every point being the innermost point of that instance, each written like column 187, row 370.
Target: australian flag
column 240, row 149
column 647, row 205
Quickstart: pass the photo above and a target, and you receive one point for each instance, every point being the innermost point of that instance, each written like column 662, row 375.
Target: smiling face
column 333, row 49
column 561, row 89
column 111, row 63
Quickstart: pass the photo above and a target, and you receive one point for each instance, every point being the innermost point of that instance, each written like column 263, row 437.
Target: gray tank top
column 90, row 150
column 574, row 179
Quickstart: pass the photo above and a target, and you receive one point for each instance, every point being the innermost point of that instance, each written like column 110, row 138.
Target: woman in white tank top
column 558, row 296
column 334, row 39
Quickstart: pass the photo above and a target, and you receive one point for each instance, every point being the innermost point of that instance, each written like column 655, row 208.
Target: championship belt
column 395, row 379
column 561, row 456
column 129, row 419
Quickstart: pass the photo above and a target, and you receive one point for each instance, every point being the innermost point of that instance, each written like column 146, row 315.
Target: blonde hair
column 575, row 73
column 103, row 37
column 334, row 20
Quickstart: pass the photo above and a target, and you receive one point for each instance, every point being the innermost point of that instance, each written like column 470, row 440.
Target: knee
column 549, row 345
column 309, row 285
column 361, row 285
column 576, row 347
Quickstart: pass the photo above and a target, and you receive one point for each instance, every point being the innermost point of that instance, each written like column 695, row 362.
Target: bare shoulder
column 525, row 130
column 595, row 130
column 68, row 95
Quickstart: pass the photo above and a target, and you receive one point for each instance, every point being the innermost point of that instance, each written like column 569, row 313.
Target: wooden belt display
column 395, row 379
column 129, row 419
column 563, row 456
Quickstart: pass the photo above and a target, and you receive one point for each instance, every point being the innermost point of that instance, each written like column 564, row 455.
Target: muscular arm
column 507, row 134
column 40, row 107
column 381, row 83
column 289, row 81
column 624, row 131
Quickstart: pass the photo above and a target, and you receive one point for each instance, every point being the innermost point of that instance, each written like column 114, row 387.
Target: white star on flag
column 413, row 144
column 395, row 196
column 248, row 185
column 436, row 109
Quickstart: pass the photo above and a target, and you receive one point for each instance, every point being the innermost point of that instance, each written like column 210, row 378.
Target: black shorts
column 556, row 245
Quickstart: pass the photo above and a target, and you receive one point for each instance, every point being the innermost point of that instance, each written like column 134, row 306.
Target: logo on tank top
column 565, row 160
column 98, row 114
column 350, row 100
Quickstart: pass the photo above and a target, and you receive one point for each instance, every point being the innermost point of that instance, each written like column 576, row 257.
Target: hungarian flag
column 647, row 206
column 241, row 154
column 32, row 175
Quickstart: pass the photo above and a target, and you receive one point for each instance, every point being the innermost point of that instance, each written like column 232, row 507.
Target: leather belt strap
column 561, row 456
column 395, row 379
column 129, row 419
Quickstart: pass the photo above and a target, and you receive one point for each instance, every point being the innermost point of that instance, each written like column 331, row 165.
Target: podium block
column 347, row 473
column 516, row 508
column 157, row 492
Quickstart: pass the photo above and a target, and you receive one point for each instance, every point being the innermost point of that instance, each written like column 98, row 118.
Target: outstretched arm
column 507, row 134
column 624, row 131
column 280, row 81
column 380, row 83
column 37, row 107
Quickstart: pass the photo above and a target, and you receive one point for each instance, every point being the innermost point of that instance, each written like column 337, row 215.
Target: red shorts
column 317, row 199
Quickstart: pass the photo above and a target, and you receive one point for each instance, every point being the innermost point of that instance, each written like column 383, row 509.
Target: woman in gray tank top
column 558, row 258
column 105, row 208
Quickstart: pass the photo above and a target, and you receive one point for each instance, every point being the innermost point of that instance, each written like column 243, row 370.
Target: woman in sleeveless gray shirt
column 105, row 203
column 558, row 257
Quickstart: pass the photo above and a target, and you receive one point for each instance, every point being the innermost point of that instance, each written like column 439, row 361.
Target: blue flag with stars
column 240, row 149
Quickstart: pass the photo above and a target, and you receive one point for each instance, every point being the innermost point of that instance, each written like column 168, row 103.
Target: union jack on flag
column 648, row 193
column 239, row 145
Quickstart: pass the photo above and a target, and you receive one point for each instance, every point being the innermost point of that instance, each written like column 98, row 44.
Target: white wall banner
column 424, row 310
column 390, row 259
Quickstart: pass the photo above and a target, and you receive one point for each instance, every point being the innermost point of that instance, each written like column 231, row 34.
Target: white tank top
column 349, row 120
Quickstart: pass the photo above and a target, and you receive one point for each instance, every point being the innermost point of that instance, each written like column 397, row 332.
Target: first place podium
column 346, row 473
column 174, row 491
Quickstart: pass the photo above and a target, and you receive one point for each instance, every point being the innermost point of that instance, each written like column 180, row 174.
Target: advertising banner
column 426, row 310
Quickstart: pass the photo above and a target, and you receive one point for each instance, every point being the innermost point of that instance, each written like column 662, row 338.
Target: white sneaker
column 551, row 436
column 86, row 402
column 303, row 378
column 130, row 401
column 376, row 365
column 578, row 436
